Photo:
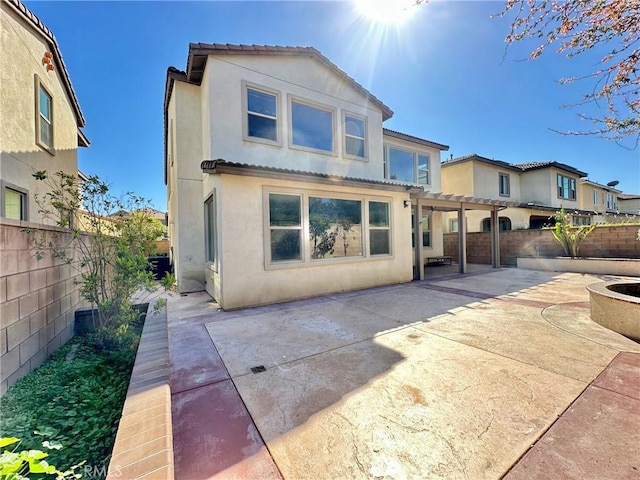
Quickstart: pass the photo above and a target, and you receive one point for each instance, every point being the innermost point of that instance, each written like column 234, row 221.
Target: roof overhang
column 221, row 166
column 410, row 138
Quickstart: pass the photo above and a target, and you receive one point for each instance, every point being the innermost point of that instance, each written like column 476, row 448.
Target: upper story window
column 611, row 201
column 262, row 114
column 44, row 117
column 595, row 197
column 312, row 126
column 355, row 136
column 566, row 187
column 406, row 166
column 505, row 184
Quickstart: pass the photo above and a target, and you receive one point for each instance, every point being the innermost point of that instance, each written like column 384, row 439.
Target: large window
column 210, row 220
column 15, row 204
column 262, row 114
column 355, row 137
column 335, row 228
column 379, row 228
column 566, row 187
column 44, row 119
column 311, row 126
column 505, row 184
column 285, row 226
column 406, row 166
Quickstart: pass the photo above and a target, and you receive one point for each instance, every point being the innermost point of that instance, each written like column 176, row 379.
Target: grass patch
column 75, row 398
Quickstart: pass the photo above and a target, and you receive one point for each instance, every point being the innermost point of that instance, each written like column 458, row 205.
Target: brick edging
column 144, row 442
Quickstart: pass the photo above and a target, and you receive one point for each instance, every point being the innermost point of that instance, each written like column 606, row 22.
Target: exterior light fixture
column 406, row 203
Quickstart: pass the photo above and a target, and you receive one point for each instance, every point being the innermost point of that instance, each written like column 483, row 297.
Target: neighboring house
column 535, row 191
column 40, row 115
column 283, row 184
column 629, row 204
column 600, row 200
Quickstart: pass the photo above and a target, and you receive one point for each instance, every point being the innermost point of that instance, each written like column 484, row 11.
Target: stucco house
column 536, row 191
column 600, row 200
column 629, row 203
column 282, row 182
column 39, row 110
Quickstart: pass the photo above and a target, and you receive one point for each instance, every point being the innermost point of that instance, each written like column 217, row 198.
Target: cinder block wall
column 38, row 299
column 619, row 241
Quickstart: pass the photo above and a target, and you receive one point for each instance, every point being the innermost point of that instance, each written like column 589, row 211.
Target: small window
column 15, row 204
column 262, row 115
column 505, row 187
column 453, row 225
column 379, row 228
column 423, row 170
column 285, row 225
column 579, row 220
column 595, row 197
column 566, row 187
column 426, row 230
column 504, row 224
column 44, row 117
column 210, row 215
column 335, row 228
column 312, row 127
column 354, row 137
column 611, row 202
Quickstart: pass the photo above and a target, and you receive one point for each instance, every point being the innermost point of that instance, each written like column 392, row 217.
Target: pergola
column 440, row 202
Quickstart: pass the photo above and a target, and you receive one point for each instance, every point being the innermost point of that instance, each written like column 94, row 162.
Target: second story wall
column 457, row 178
column 27, row 88
column 541, row 187
column 293, row 92
column 487, row 181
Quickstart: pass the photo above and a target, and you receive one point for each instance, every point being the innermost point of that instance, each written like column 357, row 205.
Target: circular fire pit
column 616, row 306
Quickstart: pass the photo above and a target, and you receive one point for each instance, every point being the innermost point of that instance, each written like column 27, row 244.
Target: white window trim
column 38, row 118
column 319, row 106
column 7, row 185
column 245, row 114
column 346, row 114
column 500, row 175
column 213, row 265
column 307, row 261
column 416, row 154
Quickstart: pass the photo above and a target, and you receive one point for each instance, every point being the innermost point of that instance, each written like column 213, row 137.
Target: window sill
column 329, row 153
column 262, row 141
column 49, row 150
column 320, row 262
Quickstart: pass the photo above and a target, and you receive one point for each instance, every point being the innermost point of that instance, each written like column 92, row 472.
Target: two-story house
column 41, row 117
column 282, row 182
column 535, row 191
column 601, row 201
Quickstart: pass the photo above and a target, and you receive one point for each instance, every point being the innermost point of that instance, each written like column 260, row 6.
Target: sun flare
column 388, row 12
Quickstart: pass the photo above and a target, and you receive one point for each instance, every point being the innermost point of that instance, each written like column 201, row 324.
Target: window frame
column 572, row 193
column 38, row 117
column 429, row 223
column 453, row 221
column 246, row 86
column 318, row 106
column 502, row 175
column 211, row 231
column 306, row 260
column 416, row 163
column 24, row 197
column 613, row 204
column 595, row 196
column 371, row 228
column 269, row 263
column 364, row 139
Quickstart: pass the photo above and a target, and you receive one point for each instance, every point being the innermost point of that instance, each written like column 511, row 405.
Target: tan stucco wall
column 629, row 206
column 304, row 78
column 541, row 187
column 458, row 179
column 21, row 53
column 246, row 279
column 186, row 218
column 486, row 181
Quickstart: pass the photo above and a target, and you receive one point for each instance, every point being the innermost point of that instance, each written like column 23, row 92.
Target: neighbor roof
column 411, row 138
column 628, row 196
column 41, row 28
column 519, row 167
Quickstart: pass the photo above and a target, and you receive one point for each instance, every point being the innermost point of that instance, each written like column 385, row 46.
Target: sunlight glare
column 388, row 12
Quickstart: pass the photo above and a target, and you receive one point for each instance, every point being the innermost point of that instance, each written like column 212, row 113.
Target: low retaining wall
column 144, row 442
column 613, row 310
column 599, row 266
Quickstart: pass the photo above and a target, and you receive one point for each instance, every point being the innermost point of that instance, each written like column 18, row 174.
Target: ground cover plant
column 75, row 399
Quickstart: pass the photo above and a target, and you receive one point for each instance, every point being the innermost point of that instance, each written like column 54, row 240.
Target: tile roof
column 198, row 53
column 521, row 167
column 411, row 138
column 628, row 196
column 40, row 27
column 209, row 165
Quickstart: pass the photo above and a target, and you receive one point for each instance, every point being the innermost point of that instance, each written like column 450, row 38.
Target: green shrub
column 75, row 399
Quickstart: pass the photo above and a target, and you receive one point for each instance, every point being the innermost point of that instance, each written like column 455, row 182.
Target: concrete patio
column 457, row 377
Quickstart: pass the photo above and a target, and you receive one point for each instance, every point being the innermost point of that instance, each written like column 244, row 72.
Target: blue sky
column 443, row 73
